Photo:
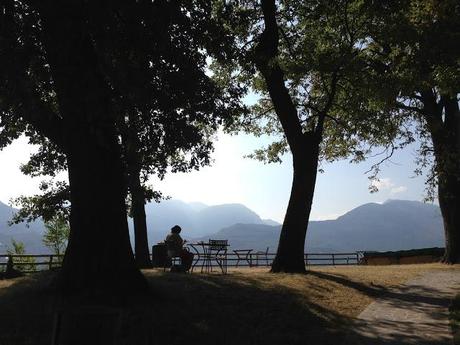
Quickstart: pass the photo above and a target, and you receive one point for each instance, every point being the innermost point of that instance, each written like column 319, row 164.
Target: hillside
column 31, row 235
column 196, row 219
column 393, row 225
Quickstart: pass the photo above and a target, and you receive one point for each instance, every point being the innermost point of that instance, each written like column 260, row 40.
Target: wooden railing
column 40, row 262
column 52, row 261
column 311, row 259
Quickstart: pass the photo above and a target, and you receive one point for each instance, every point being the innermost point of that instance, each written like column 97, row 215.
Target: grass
column 247, row 306
column 455, row 318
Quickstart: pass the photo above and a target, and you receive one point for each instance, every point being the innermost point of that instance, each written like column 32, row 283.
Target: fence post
column 333, row 260
column 50, row 265
column 306, row 259
column 357, row 258
column 9, row 264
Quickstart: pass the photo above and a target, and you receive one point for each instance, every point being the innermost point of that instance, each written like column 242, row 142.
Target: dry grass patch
column 346, row 290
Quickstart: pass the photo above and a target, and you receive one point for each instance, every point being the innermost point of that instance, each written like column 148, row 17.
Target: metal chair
column 263, row 254
column 173, row 256
column 171, row 261
column 217, row 251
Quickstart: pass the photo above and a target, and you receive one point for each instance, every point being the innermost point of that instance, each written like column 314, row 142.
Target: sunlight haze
column 264, row 188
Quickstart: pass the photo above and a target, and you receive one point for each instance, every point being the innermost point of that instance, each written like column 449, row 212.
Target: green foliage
column 52, row 203
column 322, row 55
column 56, row 234
column 416, row 72
column 18, row 248
column 168, row 109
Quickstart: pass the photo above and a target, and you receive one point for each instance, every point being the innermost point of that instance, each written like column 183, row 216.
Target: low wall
column 414, row 256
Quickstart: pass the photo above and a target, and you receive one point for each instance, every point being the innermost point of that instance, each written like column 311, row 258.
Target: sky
column 263, row 188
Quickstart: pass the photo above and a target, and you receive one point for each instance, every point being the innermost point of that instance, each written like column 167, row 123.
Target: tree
column 416, row 67
column 56, row 235
column 25, row 263
column 163, row 122
column 71, row 74
column 307, row 53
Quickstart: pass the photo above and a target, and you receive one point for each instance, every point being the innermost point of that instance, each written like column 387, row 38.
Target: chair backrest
column 218, row 245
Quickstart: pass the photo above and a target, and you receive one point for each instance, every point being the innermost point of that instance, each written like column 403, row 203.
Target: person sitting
column 175, row 247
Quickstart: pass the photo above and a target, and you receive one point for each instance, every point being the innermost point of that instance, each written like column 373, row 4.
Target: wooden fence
column 311, row 259
column 37, row 262
column 28, row 263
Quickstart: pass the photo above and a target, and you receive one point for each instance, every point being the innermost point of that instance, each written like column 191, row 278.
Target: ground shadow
column 416, row 299
column 194, row 309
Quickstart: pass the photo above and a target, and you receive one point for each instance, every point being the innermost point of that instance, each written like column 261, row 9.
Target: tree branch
column 387, row 157
column 410, row 108
column 265, row 55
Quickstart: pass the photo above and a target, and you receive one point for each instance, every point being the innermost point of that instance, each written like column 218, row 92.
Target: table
column 242, row 254
column 207, row 254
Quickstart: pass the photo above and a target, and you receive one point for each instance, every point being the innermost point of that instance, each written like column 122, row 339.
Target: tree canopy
column 82, row 79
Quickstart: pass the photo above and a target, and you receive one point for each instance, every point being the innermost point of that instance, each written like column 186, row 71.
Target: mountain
column 393, row 225
column 270, row 222
column 30, row 235
column 196, row 219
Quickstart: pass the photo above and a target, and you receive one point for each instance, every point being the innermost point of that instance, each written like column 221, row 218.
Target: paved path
column 416, row 313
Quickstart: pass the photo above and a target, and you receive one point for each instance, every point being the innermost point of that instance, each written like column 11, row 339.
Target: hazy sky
column 263, row 188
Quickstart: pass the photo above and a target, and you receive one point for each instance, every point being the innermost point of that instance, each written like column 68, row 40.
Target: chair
column 171, row 261
column 217, row 250
column 263, row 254
column 173, row 256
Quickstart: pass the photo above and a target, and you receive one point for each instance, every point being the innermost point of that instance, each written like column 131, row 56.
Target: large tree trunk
column 99, row 258
column 291, row 247
column 141, row 246
column 445, row 135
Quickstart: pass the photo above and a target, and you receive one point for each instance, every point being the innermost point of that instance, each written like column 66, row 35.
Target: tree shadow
column 413, row 314
column 192, row 309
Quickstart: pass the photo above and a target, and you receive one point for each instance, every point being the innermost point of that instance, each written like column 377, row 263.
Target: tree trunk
column 99, row 258
column 445, row 135
column 290, row 254
column 141, row 246
column 448, row 194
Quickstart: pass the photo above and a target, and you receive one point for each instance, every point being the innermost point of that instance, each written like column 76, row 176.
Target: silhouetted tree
column 416, row 67
column 307, row 53
column 72, row 74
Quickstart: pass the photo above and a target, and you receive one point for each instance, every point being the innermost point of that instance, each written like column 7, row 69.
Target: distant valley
column 393, row 225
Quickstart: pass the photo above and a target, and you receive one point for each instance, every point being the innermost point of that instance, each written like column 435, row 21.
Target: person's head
column 176, row 229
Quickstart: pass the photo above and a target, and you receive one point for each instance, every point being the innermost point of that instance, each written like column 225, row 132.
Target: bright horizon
column 263, row 188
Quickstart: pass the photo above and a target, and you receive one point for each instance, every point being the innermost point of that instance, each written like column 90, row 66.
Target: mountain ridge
column 392, row 225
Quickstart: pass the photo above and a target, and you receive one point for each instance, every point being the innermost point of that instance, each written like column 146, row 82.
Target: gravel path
column 416, row 313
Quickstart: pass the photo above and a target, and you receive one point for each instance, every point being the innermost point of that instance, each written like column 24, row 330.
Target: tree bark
column 445, row 135
column 290, row 254
column 99, row 258
column 449, row 202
